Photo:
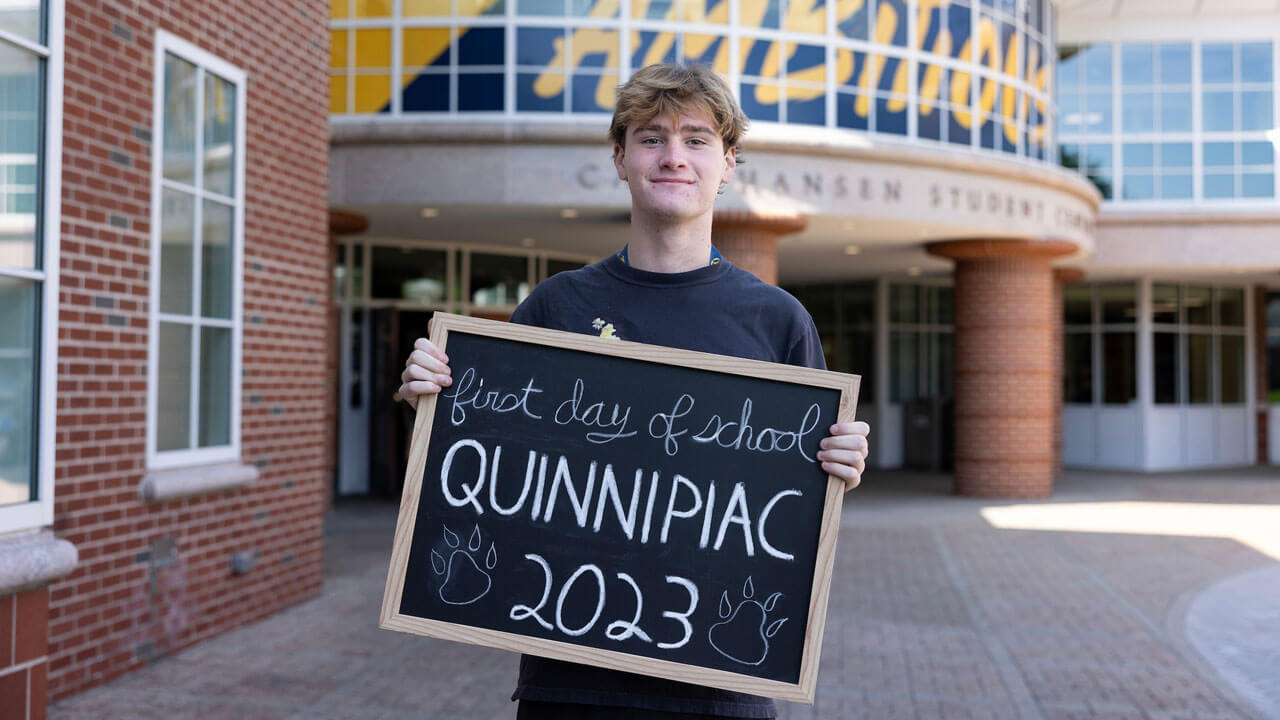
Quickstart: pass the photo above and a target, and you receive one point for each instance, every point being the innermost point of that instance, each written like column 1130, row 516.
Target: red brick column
column 1061, row 278
column 24, row 651
column 1005, row 368
column 750, row 240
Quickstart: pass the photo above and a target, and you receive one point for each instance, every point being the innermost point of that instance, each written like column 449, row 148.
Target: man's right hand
column 425, row 372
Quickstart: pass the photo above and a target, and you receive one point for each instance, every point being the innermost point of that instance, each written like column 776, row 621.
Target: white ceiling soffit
column 1073, row 11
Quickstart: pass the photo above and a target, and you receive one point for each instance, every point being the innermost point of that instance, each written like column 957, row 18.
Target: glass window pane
column 558, row 266
column 1258, row 185
column 177, row 215
column 1273, row 368
column 1199, row 368
column 1219, row 154
column 859, row 300
column 1255, row 110
column 20, row 132
column 1119, row 376
column 1255, row 62
column 1137, row 64
column 1139, row 112
column 1097, row 66
column 1165, row 362
column 1219, row 111
column 173, row 388
column 1196, row 304
column 1077, row 304
column 1176, row 186
column 1175, row 64
column 215, row 387
column 1139, row 186
column 22, row 18
column 1097, row 112
column 904, row 366
column 18, row 382
column 219, row 134
column 904, row 303
column 1216, row 64
column 1231, row 369
column 1257, row 153
column 1175, row 112
column 179, row 120
column 1231, row 307
column 1219, row 185
column 1118, row 303
column 1077, row 368
column 1175, row 155
column 857, row 356
column 409, row 274
column 498, row 279
column 1139, row 155
column 215, row 260
column 1164, row 303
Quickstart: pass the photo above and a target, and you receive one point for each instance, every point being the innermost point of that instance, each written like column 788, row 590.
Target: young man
column 675, row 132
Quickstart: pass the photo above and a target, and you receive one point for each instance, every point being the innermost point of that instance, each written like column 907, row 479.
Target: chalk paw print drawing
column 465, row 581
column 744, row 631
column 605, row 328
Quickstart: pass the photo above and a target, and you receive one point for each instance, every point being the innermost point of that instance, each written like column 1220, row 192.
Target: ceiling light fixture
column 913, row 271
column 852, row 249
column 568, row 213
column 430, row 212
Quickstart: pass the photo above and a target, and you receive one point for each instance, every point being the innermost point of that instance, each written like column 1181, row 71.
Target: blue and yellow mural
column 954, row 71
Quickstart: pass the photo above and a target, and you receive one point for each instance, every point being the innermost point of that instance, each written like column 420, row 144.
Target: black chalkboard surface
column 621, row 505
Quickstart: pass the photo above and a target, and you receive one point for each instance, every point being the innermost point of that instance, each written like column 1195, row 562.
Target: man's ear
column 730, row 164
column 617, row 162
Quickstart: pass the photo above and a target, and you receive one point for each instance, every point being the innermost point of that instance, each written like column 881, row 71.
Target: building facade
column 164, row 281
column 1043, row 231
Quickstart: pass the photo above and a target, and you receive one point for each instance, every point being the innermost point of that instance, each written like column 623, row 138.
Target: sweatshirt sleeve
column 806, row 349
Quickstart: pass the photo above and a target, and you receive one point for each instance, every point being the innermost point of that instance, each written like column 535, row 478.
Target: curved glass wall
column 1173, row 121
column 974, row 73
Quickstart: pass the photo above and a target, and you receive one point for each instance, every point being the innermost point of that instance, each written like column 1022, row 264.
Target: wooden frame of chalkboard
column 796, row 684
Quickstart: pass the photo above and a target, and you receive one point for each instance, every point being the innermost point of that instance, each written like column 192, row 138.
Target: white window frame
column 39, row 512
column 167, row 43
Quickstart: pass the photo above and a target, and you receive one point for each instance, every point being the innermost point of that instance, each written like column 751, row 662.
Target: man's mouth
column 678, row 181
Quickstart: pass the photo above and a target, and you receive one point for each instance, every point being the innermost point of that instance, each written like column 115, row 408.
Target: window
column 28, row 261
column 921, row 342
column 196, row 258
column 845, row 317
column 30, row 152
column 1165, row 141
column 1099, row 343
column 1198, row 344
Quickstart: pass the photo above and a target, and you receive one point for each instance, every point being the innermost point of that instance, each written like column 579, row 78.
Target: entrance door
column 390, row 422
column 353, row 417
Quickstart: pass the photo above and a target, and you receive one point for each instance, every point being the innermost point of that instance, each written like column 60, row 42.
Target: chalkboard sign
column 622, row 505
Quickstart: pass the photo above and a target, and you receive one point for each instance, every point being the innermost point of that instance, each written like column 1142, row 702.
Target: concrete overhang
column 888, row 198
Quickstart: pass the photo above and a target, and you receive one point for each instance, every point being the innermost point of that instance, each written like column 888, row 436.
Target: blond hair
column 662, row 90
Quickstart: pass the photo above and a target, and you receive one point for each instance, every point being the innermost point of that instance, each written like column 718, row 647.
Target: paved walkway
column 1125, row 596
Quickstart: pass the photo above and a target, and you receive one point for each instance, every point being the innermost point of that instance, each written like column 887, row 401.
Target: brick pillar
column 1005, row 369
column 24, row 654
column 750, row 240
column 1062, row 277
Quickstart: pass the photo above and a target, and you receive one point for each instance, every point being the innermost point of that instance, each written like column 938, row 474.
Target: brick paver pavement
column 1125, row 596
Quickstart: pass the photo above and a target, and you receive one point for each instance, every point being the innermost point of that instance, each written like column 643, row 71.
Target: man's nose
column 673, row 155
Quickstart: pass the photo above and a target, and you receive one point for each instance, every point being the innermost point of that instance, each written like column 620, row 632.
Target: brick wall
column 154, row 577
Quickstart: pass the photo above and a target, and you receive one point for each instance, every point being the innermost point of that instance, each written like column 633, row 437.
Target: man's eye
column 651, row 141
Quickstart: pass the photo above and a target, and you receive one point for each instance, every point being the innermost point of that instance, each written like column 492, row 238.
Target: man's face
column 674, row 166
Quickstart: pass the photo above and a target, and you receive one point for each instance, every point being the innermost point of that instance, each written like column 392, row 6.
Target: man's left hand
column 844, row 452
